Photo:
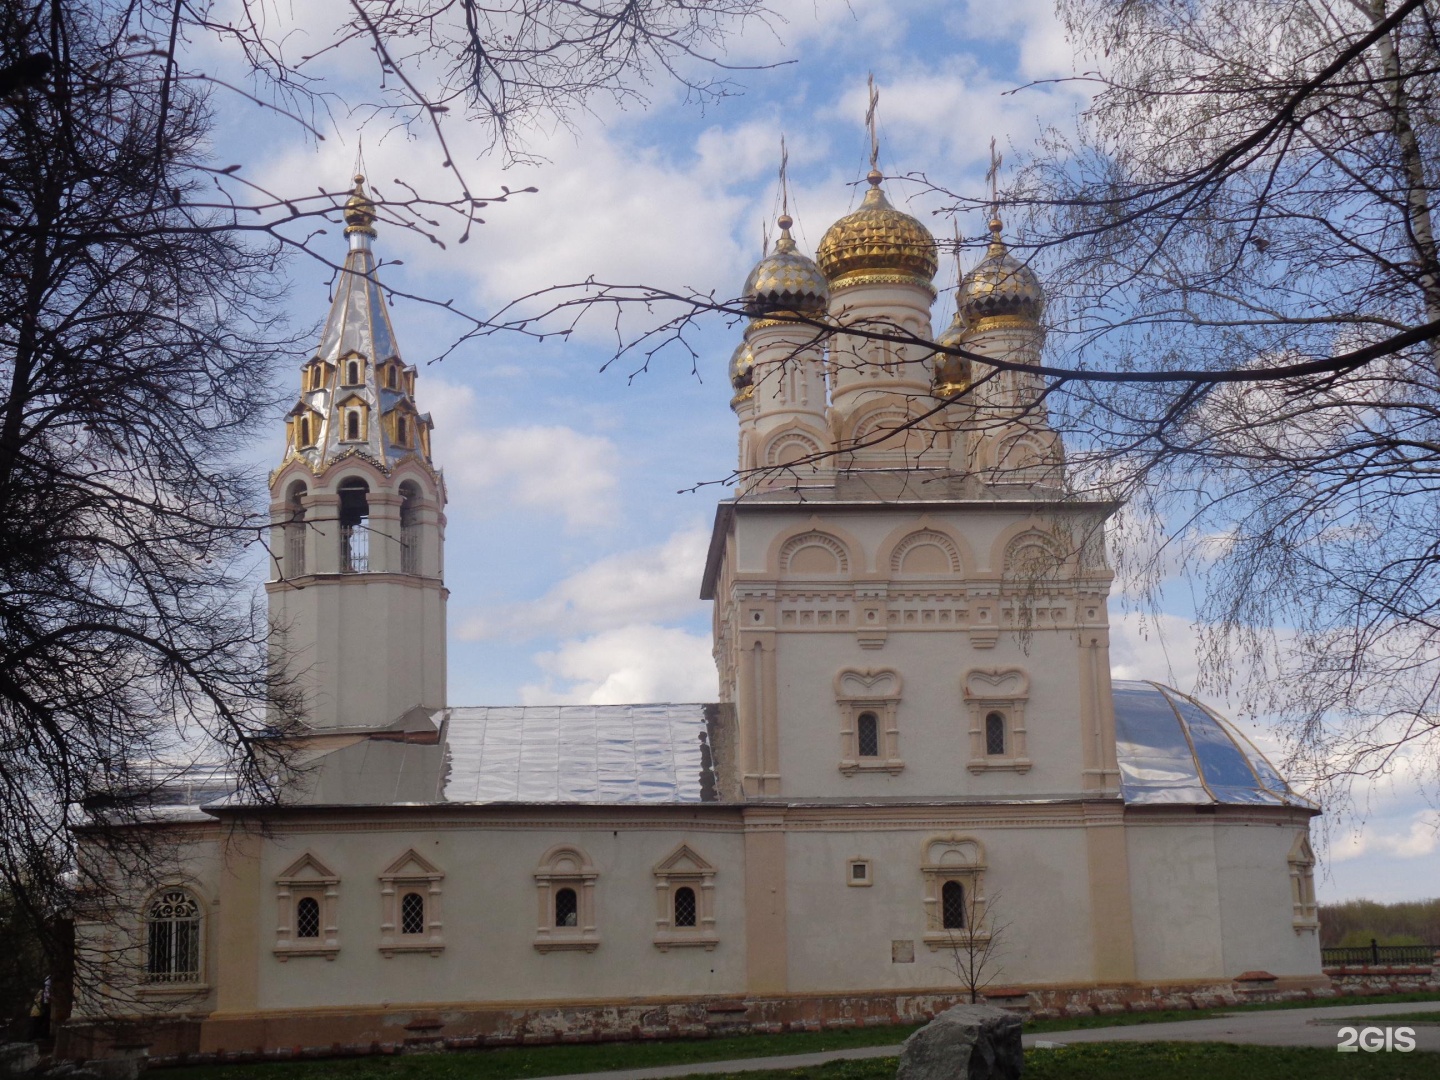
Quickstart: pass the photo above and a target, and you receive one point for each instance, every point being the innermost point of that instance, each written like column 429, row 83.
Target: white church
column 918, row 757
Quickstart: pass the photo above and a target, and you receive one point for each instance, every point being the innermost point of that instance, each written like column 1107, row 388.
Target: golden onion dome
column 952, row 373
column 785, row 280
column 359, row 209
column 742, row 372
column 1000, row 285
column 877, row 243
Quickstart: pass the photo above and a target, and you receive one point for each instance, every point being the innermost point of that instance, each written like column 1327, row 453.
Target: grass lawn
column 1160, row 1061
column 518, row 1063
column 1389, row 1018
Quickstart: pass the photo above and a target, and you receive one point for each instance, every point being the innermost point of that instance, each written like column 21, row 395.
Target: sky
column 580, row 491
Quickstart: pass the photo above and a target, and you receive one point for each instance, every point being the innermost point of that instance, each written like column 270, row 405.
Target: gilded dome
column 359, row 209
column 742, row 372
column 877, row 242
column 785, row 280
column 1000, row 284
column 952, row 373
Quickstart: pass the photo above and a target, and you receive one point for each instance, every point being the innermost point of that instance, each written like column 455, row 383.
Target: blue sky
column 573, row 561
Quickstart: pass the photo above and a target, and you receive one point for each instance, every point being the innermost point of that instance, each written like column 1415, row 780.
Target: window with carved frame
column 565, row 899
column 174, row 940
column 411, row 891
column 995, row 700
column 1306, row 915
column 684, row 901
column 307, row 909
column 869, row 702
column 953, row 872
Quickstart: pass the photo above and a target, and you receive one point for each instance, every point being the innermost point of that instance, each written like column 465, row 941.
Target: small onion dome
column 359, row 210
column 785, row 280
column 1000, row 284
column 877, row 242
column 742, row 372
column 952, row 373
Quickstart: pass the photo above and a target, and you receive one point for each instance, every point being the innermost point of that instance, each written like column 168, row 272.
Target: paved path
column 1278, row 1027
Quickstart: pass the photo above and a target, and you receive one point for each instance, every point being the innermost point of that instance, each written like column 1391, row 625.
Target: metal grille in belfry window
column 995, row 733
column 952, row 905
column 868, row 735
column 307, row 917
column 412, row 913
column 685, row 906
column 565, row 908
column 173, row 933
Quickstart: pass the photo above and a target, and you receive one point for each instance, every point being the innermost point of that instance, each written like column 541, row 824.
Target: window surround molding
column 565, row 866
column 149, row 986
column 862, row 880
column 872, row 690
column 961, row 859
column 683, row 868
column 307, row 878
column 1305, row 918
column 411, row 872
column 997, row 690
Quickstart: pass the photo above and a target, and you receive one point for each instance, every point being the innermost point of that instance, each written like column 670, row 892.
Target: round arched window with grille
column 172, row 952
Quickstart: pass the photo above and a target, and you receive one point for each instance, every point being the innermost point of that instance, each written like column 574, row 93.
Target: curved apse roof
column 1172, row 749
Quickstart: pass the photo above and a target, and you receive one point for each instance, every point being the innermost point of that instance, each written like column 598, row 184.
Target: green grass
column 1159, row 1061
column 515, row 1063
column 1388, row 1018
column 518, row 1063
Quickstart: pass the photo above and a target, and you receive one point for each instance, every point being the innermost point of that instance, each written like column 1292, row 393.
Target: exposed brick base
column 341, row 1033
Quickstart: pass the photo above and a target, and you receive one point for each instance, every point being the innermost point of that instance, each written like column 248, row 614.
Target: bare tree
column 978, row 944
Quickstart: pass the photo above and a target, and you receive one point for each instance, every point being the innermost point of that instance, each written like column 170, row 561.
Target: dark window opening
column 952, row 906
column 566, row 908
column 307, row 918
column 859, row 871
column 402, row 431
column 352, row 373
column 354, row 532
column 352, row 424
column 684, row 906
column 412, row 913
column 305, row 431
column 390, row 377
column 868, row 735
column 995, row 733
column 409, row 529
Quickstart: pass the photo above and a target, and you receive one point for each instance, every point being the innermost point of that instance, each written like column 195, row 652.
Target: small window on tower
column 390, row 376
column 352, row 424
column 305, row 439
column 402, row 432
column 352, row 373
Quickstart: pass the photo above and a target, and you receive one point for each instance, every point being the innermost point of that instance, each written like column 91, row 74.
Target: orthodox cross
column 993, row 176
column 870, row 123
column 784, row 179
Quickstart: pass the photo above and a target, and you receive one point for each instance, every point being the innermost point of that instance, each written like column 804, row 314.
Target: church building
column 919, row 779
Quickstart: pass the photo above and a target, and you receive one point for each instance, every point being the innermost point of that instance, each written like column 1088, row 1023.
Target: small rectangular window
column 859, row 872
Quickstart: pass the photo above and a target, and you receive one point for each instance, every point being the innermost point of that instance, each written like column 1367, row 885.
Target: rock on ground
column 968, row 1042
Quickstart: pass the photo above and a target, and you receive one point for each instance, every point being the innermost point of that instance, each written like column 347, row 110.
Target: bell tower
column 357, row 537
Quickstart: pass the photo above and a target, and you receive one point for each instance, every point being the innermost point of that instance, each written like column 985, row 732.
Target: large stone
column 968, row 1042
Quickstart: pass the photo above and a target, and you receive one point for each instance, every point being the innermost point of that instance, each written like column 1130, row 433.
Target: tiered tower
column 357, row 596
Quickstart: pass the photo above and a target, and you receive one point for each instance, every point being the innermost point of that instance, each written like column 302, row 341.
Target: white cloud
column 646, row 585
column 545, row 467
column 1412, row 839
column 626, row 665
column 1160, row 647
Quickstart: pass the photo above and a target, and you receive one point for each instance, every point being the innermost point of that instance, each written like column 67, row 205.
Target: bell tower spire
column 357, row 597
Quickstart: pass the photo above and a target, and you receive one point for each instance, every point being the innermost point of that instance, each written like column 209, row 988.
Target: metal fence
column 1375, row 953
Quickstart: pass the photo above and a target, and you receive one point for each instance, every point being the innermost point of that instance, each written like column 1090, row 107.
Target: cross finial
column 784, row 179
column 870, row 123
column 993, row 176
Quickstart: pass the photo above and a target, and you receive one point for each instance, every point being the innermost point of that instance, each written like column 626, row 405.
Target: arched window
column 867, row 735
column 409, row 529
column 307, row 918
column 995, row 733
column 172, row 947
column 412, row 913
column 304, row 438
column 352, row 424
column 952, row 906
column 294, row 564
column 390, row 376
column 685, row 906
column 352, row 373
column 567, row 908
column 354, row 528
column 402, row 432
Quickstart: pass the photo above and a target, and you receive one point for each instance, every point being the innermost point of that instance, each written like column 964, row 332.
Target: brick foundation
column 343, row 1033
